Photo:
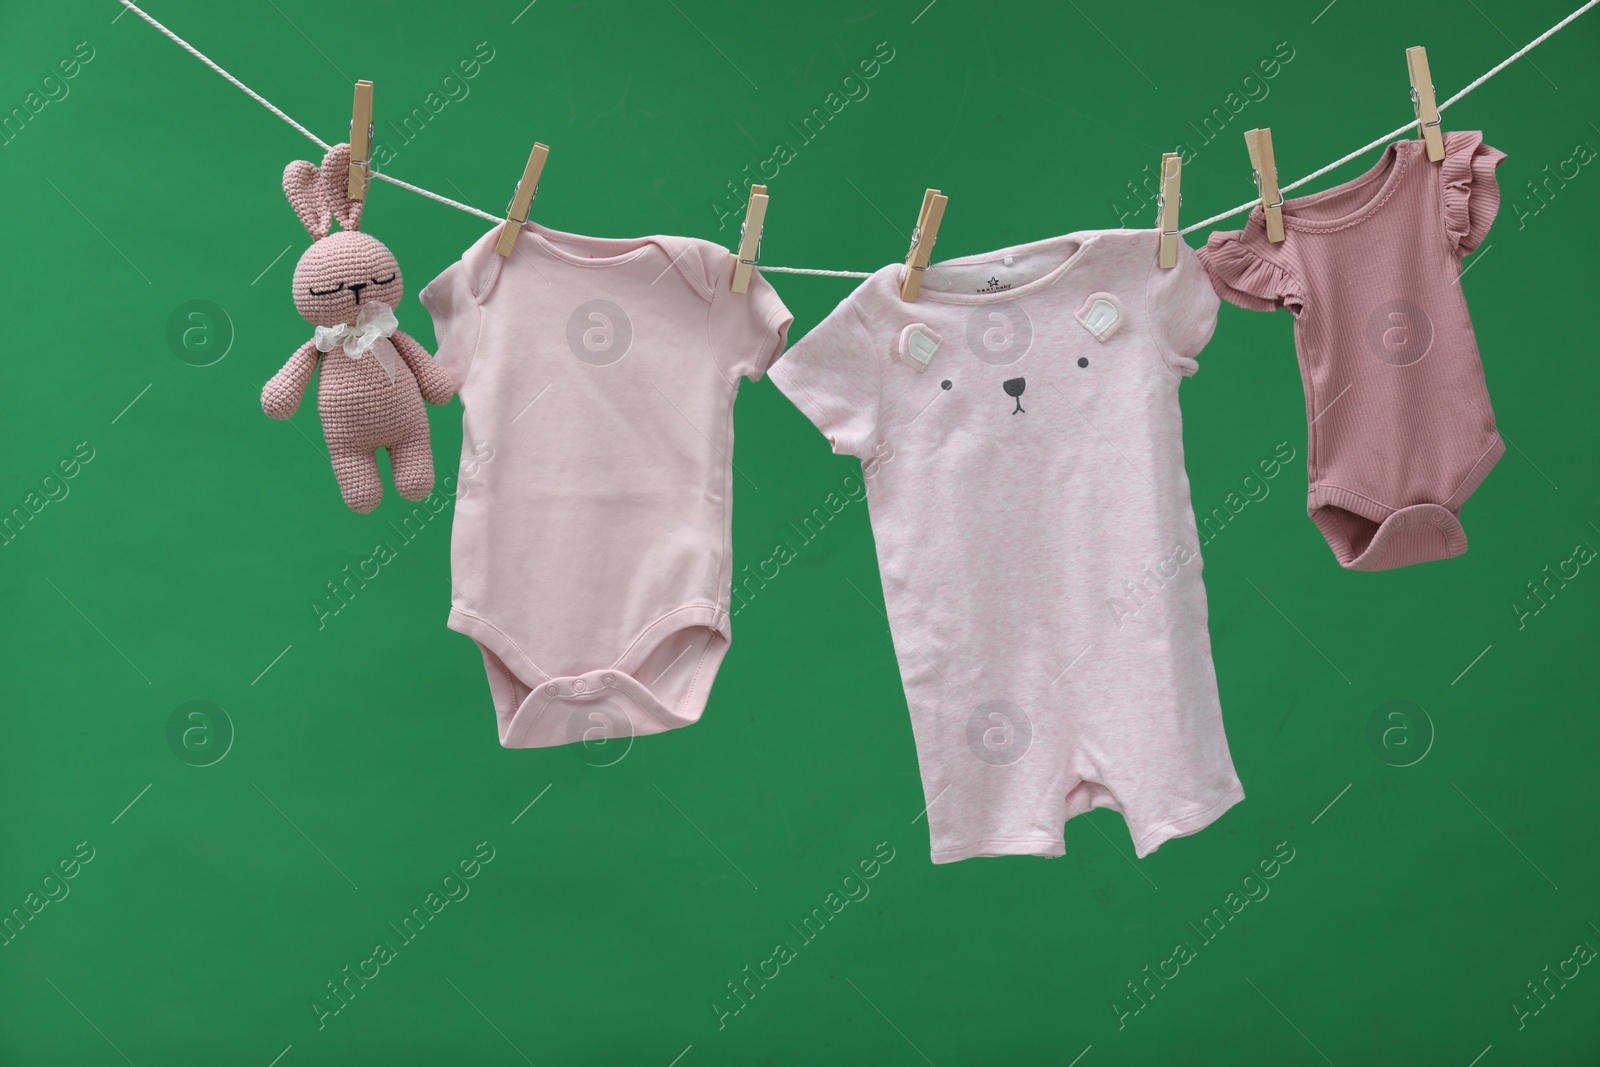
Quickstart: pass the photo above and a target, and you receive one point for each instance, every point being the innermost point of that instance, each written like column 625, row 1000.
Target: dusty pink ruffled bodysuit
column 1400, row 431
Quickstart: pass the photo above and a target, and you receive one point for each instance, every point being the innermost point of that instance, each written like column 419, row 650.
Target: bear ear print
column 1101, row 314
column 918, row 343
column 335, row 191
column 303, row 187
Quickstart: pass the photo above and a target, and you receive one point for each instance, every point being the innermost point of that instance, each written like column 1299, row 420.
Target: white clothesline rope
column 1407, row 127
column 1240, row 210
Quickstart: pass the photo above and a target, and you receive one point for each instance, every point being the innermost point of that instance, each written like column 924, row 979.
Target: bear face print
column 1000, row 343
column 995, row 363
column 1010, row 387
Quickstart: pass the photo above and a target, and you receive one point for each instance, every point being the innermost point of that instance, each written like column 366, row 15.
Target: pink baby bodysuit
column 591, row 553
column 1400, row 431
column 1040, row 563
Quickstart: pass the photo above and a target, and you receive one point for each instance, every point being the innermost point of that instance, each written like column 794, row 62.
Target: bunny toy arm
column 280, row 397
column 432, row 379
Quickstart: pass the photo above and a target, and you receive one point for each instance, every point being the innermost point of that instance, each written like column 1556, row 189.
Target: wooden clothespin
column 360, row 142
column 755, row 214
column 922, row 239
column 1259, row 142
column 517, row 210
column 1422, row 102
column 1167, row 201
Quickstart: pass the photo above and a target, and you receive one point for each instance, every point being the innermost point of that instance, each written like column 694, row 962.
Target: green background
column 359, row 760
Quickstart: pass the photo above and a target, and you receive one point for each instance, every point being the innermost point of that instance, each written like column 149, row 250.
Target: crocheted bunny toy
column 374, row 375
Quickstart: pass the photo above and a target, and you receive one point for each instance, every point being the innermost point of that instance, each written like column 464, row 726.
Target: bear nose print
column 356, row 288
column 1014, row 388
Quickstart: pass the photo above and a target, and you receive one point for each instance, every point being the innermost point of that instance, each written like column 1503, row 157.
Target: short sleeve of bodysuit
column 1469, row 193
column 833, row 376
column 748, row 330
column 453, row 300
column 1181, row 308
column 1252, row 273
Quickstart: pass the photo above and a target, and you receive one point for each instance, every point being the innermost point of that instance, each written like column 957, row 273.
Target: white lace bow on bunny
column 369, row 334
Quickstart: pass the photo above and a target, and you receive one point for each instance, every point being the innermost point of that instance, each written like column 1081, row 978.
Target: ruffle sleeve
column 1471, row 192
column 1242, row 276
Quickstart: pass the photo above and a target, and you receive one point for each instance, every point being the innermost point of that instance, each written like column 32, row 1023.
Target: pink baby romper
column 1022, row 443
column 1400, row 431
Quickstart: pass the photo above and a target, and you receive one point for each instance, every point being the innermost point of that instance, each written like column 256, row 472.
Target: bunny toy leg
column 359, row 483
column 412, row 461
column 432, row 379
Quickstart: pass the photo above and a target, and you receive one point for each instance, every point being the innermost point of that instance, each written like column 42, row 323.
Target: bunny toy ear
column 302, row 186
column 335, row 191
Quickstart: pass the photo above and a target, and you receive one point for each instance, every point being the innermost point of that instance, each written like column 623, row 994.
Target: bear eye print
column 945, row 384
column 326, row 292
column 383, row 281
column 1083, row 361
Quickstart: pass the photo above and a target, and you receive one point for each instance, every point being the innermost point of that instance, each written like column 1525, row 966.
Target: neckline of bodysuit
column 550, row 242
column 1390, row 168
column 1080, row 240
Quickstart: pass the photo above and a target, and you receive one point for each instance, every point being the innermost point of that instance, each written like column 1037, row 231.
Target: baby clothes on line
column 1399, row 427
column 1040, row 562
column 591, row 554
